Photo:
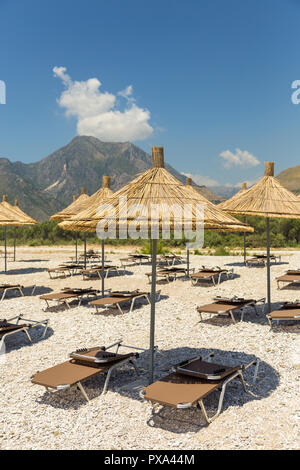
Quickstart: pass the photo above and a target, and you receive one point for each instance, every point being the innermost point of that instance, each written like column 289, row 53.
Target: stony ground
column 266, row 418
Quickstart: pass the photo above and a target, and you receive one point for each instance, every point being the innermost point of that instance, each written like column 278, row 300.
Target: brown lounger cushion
column 6, row 326
column 285, row 314
column 72, row 372
column 206, row 370
column 96, row 357
column 175, row 389
column 11, row 286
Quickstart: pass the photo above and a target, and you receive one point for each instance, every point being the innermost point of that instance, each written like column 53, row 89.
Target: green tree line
column 283, row 233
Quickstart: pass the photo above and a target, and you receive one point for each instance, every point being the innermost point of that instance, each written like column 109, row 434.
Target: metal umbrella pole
column 84, row 250
column 152, row 312
column 76, row 246
column 245, row 243
column 268, row 267
column 5, row 251
column 102, row 269
column 188, row 262
column 14, row 243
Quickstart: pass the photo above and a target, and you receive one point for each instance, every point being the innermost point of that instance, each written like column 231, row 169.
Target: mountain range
column 48, row 185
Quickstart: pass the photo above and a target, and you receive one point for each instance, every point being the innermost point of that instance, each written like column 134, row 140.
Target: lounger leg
column 79, row 384
column 21, row 292
column 232, row 316
column 33, row 290
column 28, row 335
column 107, row 381
column 120, row 310
column 132, row 305
column 3, row 295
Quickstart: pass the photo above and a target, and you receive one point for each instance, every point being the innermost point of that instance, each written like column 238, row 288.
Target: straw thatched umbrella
column 225, row 204
column 17, row 217
column 72, row 209
column 155, row 188
column 92, row 205
column 229, row 223
column 267, row 198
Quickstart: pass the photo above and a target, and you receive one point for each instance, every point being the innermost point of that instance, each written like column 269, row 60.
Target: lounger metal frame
column 200, row 403
column 241, row 308
column 16, row 288
column 67, row 302
column 109, row 371
column 211, row 276
column 127, row 299
column 25, row 329
column 86, row 273
column 290, row 281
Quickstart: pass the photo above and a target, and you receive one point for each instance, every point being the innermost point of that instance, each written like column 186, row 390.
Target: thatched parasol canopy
column 72, row 209
column 266, row 198
column 155, row 187
column 29, row 220
column 90, row 208
column 213, row 212
column 225, row 204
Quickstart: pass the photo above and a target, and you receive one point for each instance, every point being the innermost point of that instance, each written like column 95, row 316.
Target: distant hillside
column 290, row 178
column 48, row 185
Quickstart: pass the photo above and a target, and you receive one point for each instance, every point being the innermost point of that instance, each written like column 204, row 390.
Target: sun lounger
column 13, row 325
column 170, row 259
column 67, row 295
column 290, row 277
column 97, row 271
column 287, row 312
column 84, row 364
column 64, row 270
column 225, row 306
column 4, row 288
column 192, row 381
column 115, row 299
column 262, row 260
column 169, row 273
column 213, row 275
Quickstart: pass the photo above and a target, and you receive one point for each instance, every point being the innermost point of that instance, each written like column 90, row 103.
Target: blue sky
column 200, row 77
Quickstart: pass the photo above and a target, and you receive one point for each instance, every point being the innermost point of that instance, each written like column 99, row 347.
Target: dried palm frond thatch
column 13, row 216
column 155, row 187
column 72, row 209
column 266, row 198
column 225, row 204
column 212, row 211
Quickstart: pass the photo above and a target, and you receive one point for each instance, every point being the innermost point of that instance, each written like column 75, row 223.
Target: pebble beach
column 265, row 418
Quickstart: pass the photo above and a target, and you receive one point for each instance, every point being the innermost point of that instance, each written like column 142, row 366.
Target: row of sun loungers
column 188, row 384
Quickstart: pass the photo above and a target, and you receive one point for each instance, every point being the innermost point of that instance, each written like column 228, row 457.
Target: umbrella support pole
column 5, row 251
column 152, row 314
column 84, row 251
column 76, row 247
column 102, row 270
column 14, row 243
column 245, row 249
column 268, row 266
column 188, row 262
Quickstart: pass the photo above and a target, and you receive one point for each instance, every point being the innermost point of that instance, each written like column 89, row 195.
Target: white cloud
column 96, row 111
column 202, row 180
column 239, row 158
